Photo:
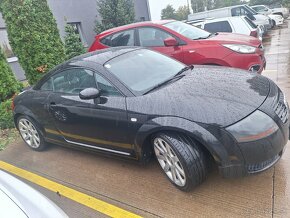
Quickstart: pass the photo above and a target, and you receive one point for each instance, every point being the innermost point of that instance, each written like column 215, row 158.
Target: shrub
column 6, row 115
column 8, row 83
column 73, row 45
column 33, row 35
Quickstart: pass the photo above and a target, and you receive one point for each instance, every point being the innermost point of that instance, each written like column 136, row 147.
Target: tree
column 73, row 45
column 33, row 35
column 198, row 5
column 168, row 13
column 285, row 3
column 201, row 5
column 114, row 13
column 8, row 83
column 182, row 13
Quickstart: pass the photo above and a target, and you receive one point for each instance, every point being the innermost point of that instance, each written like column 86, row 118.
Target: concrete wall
column 83, row 11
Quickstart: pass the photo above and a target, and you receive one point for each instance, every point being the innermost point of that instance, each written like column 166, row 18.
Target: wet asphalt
column 145, row 191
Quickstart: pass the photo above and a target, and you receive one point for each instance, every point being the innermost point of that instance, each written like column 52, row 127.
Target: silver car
column 18, row 200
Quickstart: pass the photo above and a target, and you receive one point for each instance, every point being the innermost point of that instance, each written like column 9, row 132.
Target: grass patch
column 8, row 136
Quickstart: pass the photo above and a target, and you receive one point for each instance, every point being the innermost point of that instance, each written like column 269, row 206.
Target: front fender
column 219, row 152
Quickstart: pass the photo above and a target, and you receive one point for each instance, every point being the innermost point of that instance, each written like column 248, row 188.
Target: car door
column 97, row 123
column 153, row 38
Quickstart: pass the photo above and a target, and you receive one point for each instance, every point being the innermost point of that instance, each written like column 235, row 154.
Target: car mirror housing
column 89, row 93
column 170, row 42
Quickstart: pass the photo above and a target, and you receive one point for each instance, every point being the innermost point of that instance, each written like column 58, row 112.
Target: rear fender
column 22, row 110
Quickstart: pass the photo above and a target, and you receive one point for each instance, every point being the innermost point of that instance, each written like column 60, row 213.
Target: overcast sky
column 157, row 5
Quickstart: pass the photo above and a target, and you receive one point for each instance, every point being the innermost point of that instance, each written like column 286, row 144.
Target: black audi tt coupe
column 135, row 103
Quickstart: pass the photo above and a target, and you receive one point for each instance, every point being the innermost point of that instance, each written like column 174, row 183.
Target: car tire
column 181, row 159
column 30, row 133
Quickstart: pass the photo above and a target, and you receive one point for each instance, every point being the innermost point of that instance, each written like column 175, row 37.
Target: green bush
column 8, row 83
column 6, row 115
column 73, row 45
column 33, row 35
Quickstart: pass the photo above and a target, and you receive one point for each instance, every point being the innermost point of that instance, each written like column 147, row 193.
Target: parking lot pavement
column 145, row 191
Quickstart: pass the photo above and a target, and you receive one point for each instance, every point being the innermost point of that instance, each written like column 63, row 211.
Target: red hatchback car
column 188, row 44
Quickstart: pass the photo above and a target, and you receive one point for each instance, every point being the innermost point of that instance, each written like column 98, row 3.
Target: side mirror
column 89, row 93
column 170, row 42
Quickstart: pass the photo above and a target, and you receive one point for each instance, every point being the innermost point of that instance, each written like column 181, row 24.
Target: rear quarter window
column 251, row 23
column 220, row 26
column 124, row 38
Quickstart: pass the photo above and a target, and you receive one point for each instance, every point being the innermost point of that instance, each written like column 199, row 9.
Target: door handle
column 51, row 105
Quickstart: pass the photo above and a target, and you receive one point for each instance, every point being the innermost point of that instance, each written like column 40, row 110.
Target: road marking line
column 84, row 199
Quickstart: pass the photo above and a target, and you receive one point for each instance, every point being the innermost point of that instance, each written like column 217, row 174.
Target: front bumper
column 255, row 61
column 260, row 155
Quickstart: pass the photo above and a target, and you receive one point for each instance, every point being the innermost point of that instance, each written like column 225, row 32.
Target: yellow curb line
column 84, row 199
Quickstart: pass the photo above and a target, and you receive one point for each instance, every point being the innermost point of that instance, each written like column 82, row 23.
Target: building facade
column 80, row 14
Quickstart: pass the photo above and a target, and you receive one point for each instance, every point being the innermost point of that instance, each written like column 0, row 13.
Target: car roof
column 100, row 56
column 133, row 25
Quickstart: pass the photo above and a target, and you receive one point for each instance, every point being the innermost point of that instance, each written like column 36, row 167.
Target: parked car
column 20, row 200
column 187, row 44
column 276, row 19
column 280, row 10
column 242, row 25
column 238, row 10
column 133, row 102
column 262, row 9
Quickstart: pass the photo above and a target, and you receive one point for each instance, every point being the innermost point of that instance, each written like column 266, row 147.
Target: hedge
column 6, row 115
column 33, row 35
column 8, row 83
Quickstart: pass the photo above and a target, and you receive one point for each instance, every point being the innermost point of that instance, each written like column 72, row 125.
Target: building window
column 142, row 19
column 4, row 43
column 78, row 30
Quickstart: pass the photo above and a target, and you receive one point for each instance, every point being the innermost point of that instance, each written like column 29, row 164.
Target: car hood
column 211, row 95
column 233, row 38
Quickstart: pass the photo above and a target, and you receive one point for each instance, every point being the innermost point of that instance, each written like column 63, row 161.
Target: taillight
column 254, row 33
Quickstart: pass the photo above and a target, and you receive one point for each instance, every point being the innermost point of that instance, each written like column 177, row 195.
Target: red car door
column 152, row 37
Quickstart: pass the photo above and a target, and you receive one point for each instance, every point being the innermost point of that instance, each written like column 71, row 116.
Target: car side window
column 220, row 26
column 259, row 8
column 152, row 37
column 47, row 86
column 124, row 38
column 106, row 88
column 73, row 81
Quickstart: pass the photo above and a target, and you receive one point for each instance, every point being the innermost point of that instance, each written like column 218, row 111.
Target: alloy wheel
column 169, row 162
column 29, row 133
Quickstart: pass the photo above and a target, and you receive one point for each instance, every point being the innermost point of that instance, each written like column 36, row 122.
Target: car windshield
column 187, row 30
column 142, row 69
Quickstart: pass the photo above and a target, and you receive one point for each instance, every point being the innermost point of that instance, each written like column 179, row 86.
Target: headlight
column 245, row 49
column 256, row 126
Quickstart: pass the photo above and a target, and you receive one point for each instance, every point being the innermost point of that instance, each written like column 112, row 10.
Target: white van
column 238, row 10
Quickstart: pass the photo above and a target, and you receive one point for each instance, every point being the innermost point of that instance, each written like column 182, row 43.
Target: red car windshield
column 187, row 30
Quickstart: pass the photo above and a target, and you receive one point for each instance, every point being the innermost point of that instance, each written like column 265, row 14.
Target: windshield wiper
column 189, row 67
column 176, row 76
column 206, row 37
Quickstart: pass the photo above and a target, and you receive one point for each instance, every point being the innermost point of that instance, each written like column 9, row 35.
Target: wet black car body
column 209, row 105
